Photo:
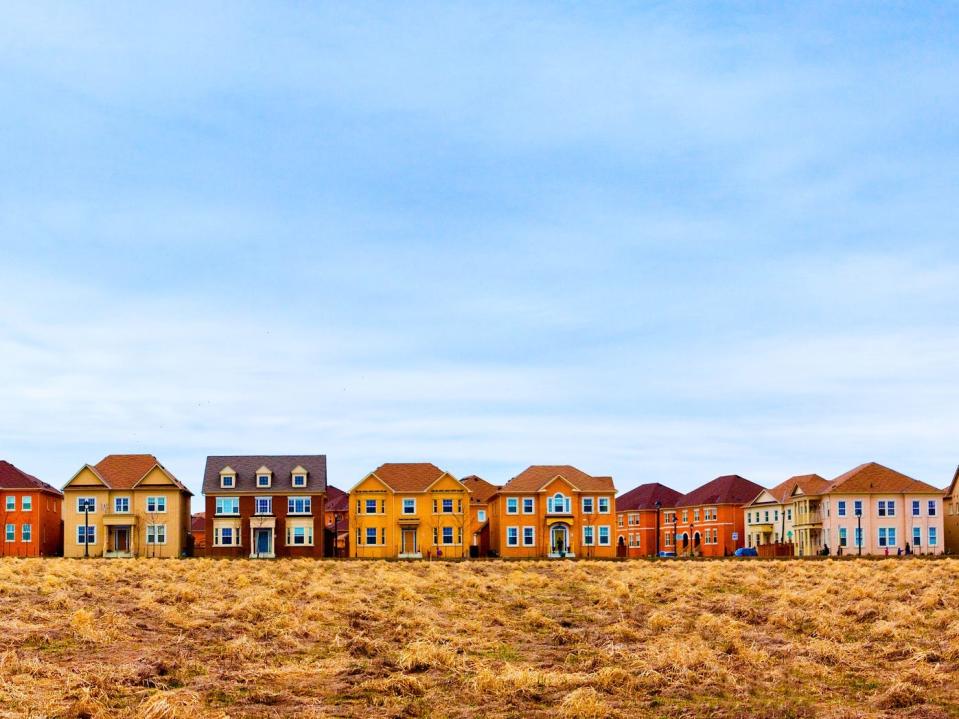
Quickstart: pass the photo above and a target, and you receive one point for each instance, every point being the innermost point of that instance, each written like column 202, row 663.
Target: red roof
column 874, row 478
column 534, row 478
column 336, row 499
column 728, row 489
column 645, row 496
column 481, row 489
column 198, row 522
column 13, row 478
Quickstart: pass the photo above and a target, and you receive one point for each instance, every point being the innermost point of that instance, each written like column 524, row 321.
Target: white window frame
column 532, row 536
column 599, row 535
column 116, row 505
column 933, row 537
column 156, row 532
column 260, row 484
column 916, row 508
column 512, row 505
column 592, row 505
column 26, row 503
column 602, row 504
column 90, row 501
column 158, row 504
column 512, row 536
column 235, row 534
column 917, row 536
column 840, row 507
column 411, row 501
column 366, row 506
column 269, row 505
column 26, row 532
column 480, row 515
column 10, row 532
column 443, row 535
column 843, row 537
column 227, row 481
column 589, row 536
column 307, row 506
column 221, row 502
column 11, row 503
column 932, row 508
column 291, row 536
column 299, row 480
column 531, row 501
column 91, row 531
column 376, row 534
column 443, row 509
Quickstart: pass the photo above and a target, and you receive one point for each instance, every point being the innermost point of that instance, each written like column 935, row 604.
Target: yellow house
column 410, row 511
column 127, row 505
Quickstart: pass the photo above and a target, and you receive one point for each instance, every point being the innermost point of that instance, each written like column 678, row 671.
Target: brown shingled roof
column 873, row 478
column 645, row 496
column 12, row 477
column 808, row 483
column 123, row 471
column 728, row 489
column 480, row 489
column 533, row 478
column 408, row 477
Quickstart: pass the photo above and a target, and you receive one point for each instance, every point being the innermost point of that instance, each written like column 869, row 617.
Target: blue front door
column 263, row 541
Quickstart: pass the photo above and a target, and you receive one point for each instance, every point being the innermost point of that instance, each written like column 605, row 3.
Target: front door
column 121, row 539
column 263, row 538
column 409, row 541
column 558, row 540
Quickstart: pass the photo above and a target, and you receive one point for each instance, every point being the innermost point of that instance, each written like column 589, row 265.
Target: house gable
column 86, row 477
column 371, row 483
column 446, row 483
column 764, row 497
column 558, row 483
column 156, row 477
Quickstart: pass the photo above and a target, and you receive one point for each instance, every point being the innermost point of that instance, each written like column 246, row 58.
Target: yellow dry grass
column 205, row 638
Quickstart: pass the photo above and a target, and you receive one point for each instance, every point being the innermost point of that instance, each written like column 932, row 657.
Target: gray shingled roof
column 282, row 466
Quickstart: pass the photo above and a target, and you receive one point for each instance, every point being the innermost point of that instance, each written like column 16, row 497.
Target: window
column 371, row 535
column 529, row 536
column 480, row 515
column 512, row 505
column 715, row 536
column 891, row 508
column 915, row 508
column 685, row 516
column 558, row 504
column 156, row 534
column 86, row 504
column 226, row 536
column 512, row 536
column 587, row 505
column 857, row 507
column 842, row 536
column 529, row 505
column 299, row 536
column 858, row 536
column 121, row 505
column 775, row 515
column 11, row 533
column 619, row 521
column 932, row 536
column 766, row 517
column 916, row 536
column 789, row 514
column 228, row 481
column 887, row 537
column 264, row 505
column 932, row 507
column 604, row 535
column 447, row 506
column 26, row 503
column 11, row 503
column 409, row 505
column 447, row 535
column 587, row 536
column 370, row 506
column 603, row 505
column 86, row 534
column 299, row 480
column 227, row 505
column 262, row 480
column 26, row 532
column 695, row 515
column 841, row 508
column 299, row 505
column 749, row 517
column 156, row 505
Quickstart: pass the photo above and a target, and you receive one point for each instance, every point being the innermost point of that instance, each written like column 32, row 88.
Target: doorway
column 264, row 541
column 559, row 540
column 408, row 542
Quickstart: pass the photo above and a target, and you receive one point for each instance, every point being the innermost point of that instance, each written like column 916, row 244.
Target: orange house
column 709, row 522
column 29, row 515
column 480, row 493
column 637, row 512
column 554, row 511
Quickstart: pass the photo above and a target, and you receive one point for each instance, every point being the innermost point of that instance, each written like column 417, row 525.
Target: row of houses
column 266, row 506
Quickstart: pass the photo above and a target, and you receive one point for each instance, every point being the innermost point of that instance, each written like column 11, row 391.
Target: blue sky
column 663, row 242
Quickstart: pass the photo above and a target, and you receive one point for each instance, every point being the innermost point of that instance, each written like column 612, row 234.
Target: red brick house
column 636, row 518
column 29, row 515
column 337, row 522
column 265, row 506
column 709, row 522
column 481, row 492
column 198, row 531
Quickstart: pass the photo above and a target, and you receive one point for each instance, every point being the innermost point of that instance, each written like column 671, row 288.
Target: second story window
column 370, row 506
column 558, row 504
column 587, row 505
column 264, row 505
column 603, row 505
column 227, row 505
column 156, row 505
column 529, row 505
column 841, row 508
column 512, row 505
column 11, row 503
column 932, row 508
column 447, row 506
column 480, row 515
column 86, row 504
column 299, row 505
column 121, row 505
column 26, row 503
column 409, row 506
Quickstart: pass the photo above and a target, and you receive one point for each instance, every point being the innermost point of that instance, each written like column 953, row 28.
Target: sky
column 657, row 241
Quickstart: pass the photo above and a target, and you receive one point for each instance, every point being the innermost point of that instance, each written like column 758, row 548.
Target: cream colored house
column 875, row 510
column 127, row 505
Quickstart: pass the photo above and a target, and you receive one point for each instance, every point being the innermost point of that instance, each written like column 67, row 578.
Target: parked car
column 667, row 554
column 747, row 552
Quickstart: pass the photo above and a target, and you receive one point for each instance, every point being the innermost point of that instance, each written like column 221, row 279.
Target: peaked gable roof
column 874, row 478
column 811, row 484
column 645, row 496
column 537, row 476
column 125, row 471
column 11, row 477
column 480, row 489
column 728, row 489
column 954, row 487
column 281, row 467
column 336, row 499
column 409, row 476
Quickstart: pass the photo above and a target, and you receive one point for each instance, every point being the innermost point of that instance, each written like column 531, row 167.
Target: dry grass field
column 205, row 638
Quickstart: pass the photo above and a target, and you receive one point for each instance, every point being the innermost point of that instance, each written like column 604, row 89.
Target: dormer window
column 264, row 478
column 227, row 478
column 299, row 477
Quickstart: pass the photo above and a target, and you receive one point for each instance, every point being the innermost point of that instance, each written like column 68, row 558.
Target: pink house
column 893, row 512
